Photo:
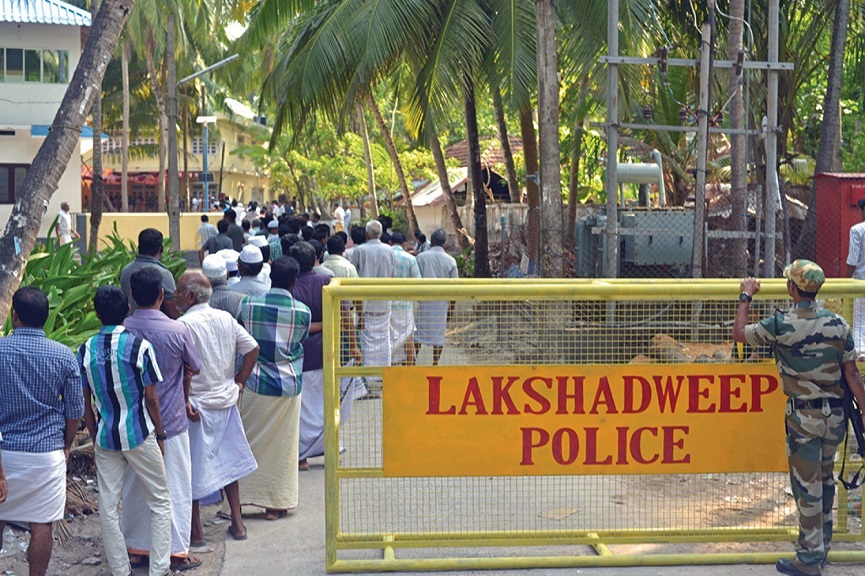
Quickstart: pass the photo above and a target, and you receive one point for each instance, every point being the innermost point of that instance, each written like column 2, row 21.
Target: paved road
column 295, row 546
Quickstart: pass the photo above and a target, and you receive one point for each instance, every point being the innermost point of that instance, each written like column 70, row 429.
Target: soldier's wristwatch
column 745, row 297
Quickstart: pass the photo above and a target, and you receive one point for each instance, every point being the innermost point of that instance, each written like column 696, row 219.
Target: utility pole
column 702, row 151
column 772, row 190
column 171, row 104
column 612, row 231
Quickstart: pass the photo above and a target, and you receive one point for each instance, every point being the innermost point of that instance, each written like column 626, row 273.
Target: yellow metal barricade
column 564, row 418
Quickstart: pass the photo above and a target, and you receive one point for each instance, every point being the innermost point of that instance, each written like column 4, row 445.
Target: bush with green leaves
column 70, row 280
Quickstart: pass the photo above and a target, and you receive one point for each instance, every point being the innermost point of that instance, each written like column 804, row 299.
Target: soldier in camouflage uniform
column 814, row 351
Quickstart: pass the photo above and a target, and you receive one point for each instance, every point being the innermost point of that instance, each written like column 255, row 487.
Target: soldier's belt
column 816, row 403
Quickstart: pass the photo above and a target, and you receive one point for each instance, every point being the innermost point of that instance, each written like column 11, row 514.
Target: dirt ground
column 80, row 552
column 78, row 537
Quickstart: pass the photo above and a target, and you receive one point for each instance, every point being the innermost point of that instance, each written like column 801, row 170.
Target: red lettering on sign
column 667, row 395
column 622, row 444
column 434, row 384
column 637, row 445
column 529, row 443
column 565, row 394
column 695, row 392
column 544, row 404
column 670, row 442
column 502, row 395
column 474, row 398
column 645, row 394
column 728, row 393
column 758, row 391
column 561, row 438
column 592, row 449
column 604, row 396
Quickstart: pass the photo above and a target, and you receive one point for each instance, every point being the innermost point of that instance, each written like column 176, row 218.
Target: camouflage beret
column 807, row 275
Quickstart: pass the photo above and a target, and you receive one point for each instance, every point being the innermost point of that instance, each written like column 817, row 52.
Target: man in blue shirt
column 119, row 374
column 40, row 408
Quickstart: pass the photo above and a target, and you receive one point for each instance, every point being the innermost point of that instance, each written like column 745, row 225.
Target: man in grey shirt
column 374, row 259
column 149, row 254
column 223, row 297
column 235, row 232
column 250, row 263
column 214, row 244
column 432, row 316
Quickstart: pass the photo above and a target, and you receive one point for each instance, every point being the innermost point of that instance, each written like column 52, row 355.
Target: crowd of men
column 202, row 389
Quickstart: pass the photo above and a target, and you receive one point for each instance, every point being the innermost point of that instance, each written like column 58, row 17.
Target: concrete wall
column 129, row 225
column 25, row 104
column 36, row 103
column 21, row 149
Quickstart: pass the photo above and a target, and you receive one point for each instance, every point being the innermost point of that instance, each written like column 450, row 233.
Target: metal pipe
column 702, row 151
column 772, row 197
column 525, row 563
column 612, row 252
column 214, row 66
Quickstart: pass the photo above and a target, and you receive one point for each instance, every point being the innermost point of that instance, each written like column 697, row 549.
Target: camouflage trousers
column 813, row 436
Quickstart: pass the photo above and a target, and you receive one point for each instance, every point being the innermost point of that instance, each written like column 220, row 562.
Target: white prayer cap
column 258, row 241
column 251, row 255
column 214, row 266
column 230, row 256
column 273, row 224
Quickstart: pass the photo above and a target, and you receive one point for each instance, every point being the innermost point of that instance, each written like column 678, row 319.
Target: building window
column 14, row 65
column 34, row 65
column 11, row 178
column 197, row 146
column 55, row 66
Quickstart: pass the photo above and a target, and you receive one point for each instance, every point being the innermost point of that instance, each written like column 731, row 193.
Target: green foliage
column 466, row 263
column 70, row 280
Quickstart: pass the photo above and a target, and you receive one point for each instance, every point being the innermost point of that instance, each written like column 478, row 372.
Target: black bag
column 853, row 413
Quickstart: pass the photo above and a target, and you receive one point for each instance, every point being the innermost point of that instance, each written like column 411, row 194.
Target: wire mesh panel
column 382, row 520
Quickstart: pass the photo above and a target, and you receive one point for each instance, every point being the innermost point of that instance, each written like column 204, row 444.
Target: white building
column 40, row 45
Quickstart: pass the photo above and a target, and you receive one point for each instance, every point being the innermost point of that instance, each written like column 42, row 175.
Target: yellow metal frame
column 610, row 290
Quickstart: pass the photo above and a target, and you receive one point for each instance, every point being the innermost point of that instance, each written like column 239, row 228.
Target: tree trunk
column 447, row 192
column 53, row 156
column 97, row 188
column 514, row 190
column 370, row 173
column 397, row 164
column 124, row 135
column 738, row 166
column 482, row 260
column 163, row 120
column 533, row 194
column 173, row 183
column 574, row 186
column 548, row 124
column 829, row 128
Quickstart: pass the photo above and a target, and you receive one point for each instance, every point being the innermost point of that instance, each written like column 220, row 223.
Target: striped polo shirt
column 115, row 367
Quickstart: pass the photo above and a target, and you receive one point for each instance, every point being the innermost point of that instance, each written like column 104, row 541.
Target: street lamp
column 173, row 177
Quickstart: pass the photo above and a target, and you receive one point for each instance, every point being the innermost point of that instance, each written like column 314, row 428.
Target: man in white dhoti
column 307, row 289
column 856, row 270
column 220, row 452
column 432, row 316
column 374, row 259
column 64, row 230
column 270, row 407
column 42, row 404
column 402, row 313
column 176, row 356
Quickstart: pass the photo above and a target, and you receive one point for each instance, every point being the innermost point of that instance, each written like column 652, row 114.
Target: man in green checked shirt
column 270, row 407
